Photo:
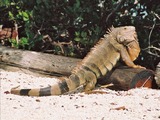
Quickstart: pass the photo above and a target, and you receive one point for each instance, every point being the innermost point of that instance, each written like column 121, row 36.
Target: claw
column 138, row 66
column 15, row 87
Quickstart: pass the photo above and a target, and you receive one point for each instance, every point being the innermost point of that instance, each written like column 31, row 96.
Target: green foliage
column 21, row 44
column 84, row 20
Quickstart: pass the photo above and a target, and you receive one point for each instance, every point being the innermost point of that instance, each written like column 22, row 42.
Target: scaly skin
column 119, row 43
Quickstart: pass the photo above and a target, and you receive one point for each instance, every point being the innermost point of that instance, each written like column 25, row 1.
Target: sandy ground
column 135, row 104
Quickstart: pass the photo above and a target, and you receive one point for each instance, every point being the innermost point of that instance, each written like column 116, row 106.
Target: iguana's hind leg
column 91, row 81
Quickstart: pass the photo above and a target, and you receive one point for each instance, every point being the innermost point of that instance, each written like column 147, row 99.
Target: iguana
column 118, row 43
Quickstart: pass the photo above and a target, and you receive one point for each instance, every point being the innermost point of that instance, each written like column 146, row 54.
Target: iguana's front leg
column 127, row 59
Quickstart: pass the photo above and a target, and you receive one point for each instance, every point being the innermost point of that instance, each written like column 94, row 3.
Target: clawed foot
column 138, row 66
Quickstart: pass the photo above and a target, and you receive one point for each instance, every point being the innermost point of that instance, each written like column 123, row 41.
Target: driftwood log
column 14, row 59
column 122, row 78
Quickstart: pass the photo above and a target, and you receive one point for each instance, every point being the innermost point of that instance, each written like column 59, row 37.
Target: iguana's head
column 128, row 37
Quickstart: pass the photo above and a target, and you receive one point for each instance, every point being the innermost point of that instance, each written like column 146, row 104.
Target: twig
column 146, row 81
column 152, row 47
column 60, row 44
column 149, row 38
column 39, row 30
column 53, row 42
column 155, row 14
column 118, row 7
column 148, row 49
column 119, row 108
column 108, row 85
column 151, row 53
column 16, row 30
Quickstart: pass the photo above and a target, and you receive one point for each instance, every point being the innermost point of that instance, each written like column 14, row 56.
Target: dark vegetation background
column 72, row 27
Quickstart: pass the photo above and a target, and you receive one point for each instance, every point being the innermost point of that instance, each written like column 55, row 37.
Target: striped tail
column 63, row 86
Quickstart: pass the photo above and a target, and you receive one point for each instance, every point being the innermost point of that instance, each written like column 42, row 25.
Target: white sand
column 135, row 104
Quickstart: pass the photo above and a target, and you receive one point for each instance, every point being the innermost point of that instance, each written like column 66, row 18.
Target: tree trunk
column 124, row 78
